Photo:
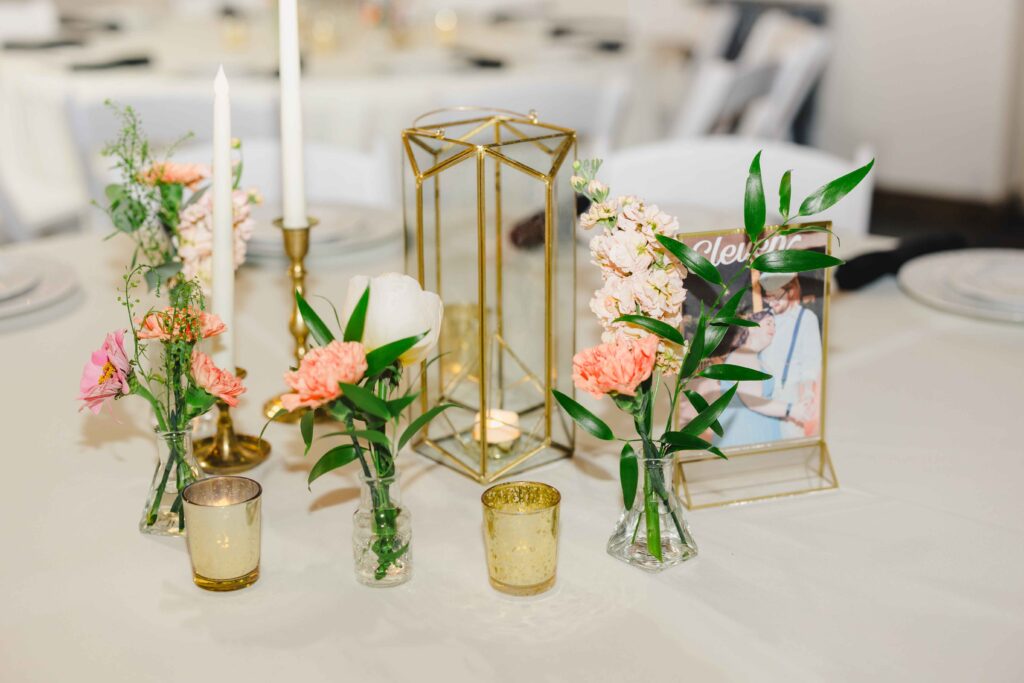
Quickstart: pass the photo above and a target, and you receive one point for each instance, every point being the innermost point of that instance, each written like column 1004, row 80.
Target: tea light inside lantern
column 502, row 427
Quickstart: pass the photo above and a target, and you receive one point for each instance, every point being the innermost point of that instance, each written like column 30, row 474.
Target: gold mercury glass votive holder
column 521, row 536
column 222, row 529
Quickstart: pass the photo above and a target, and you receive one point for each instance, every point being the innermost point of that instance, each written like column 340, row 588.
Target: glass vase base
column 222, row 585
column 535, row 589
column 167, row 523
column 394, row 577
column 673, row 552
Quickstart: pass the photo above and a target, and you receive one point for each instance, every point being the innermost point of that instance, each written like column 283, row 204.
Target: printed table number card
column 772, row 431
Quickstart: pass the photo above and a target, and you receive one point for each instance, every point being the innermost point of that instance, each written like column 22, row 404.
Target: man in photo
column 794, row 355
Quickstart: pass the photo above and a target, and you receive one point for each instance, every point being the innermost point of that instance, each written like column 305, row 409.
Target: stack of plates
column 341, row 230
column 31, row 285
column 982, row 283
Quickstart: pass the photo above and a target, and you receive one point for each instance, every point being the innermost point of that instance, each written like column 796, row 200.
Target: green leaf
column 694, row 262
column 199, row 400
column 717, row 451
column 793, row 261
column 735, row 322
column 306, row 429
column 129, row 215
column 159, row 275
column 420, row 422
column 115, row 193
column 785, row 193
column 629, row 474
column 700, row 405
column 372, row 435
column 753, row 201
column 737, row 373
column 196, row 196
column 321, row 333
column 339, row 411
column 653, row 523
column 383, row 356
column 715, row 333
column 365, row 400
column 830, row 193
column 682, row 441
column 583, row 417
column 396, row 406
column 338, row 456
column 356, row 323
column 663, row 330
column 696, row 351
column 709, row 415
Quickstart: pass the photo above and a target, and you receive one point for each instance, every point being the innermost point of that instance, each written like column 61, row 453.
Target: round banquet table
column 910, row 571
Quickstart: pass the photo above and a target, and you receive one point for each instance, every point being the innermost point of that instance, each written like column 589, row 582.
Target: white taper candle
column 223, row 303
column 293, row 191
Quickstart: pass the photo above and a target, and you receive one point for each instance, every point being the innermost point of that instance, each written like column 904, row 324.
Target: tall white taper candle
column 223, row 303
column 293, row 193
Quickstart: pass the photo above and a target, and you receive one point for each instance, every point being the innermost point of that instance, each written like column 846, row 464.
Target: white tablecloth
column 910, row 572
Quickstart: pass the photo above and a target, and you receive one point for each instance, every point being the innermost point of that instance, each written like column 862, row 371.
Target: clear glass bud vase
column 653, row 534
column 381, row 534
column 176, row 468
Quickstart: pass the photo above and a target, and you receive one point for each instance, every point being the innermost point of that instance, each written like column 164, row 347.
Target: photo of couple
column 787, row 344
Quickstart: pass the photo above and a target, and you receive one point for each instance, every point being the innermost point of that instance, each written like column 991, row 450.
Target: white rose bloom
column 398, row 308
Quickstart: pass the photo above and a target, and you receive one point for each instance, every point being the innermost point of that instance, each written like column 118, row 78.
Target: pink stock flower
column 171, row 173
column 619, row 366
column 195, row 233
column 106, row 374
column 316, row 381
column 158, row 324
column 215, row 381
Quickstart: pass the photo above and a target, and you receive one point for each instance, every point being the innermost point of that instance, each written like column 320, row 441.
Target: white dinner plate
column 996, row 277
column 56, row 282
column 16, row 278
column 939, row 280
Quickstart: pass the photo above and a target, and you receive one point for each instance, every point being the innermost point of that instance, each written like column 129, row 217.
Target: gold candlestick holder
column 228, row 452
column 296, row 246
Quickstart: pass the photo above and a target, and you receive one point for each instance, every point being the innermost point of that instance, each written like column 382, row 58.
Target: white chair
column 28, row 20
column 712, row 171
column 40, row 189
column 801, row 52
column 704, row 31
column 720, row 93
column 333, row 174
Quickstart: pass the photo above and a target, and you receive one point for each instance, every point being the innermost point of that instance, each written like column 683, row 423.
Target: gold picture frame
column 773, row 469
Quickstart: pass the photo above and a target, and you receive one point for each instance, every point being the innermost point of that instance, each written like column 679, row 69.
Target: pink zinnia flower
column 171, row 173
column 316, row 381
column 217, row 382
column 106, row 374
column 157, row 325
column 618, row 366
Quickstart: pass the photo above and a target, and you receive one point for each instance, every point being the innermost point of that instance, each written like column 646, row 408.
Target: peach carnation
column 619, row 366
column 171, row 173
column 321, row 370
column 219, row 383
column 185, row 322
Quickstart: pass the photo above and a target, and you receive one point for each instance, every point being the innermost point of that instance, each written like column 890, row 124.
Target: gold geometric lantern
column 490, row 222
